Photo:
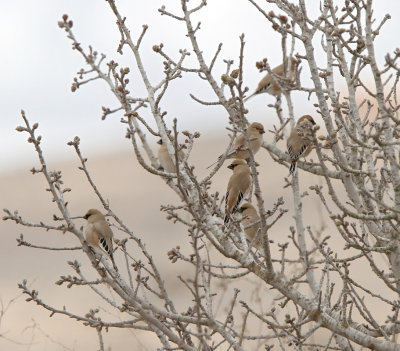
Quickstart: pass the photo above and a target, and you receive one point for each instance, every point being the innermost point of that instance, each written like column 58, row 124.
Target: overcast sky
column 38, row 65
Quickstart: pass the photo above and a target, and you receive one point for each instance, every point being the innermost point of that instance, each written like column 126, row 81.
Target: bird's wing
column 232, row 202
column 264, row 84
column 294, row 156
column 105, row 235
column 106, row 245
column 238, row 144
column 238, row 201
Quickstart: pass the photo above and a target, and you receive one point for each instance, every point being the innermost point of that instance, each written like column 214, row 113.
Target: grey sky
column 37, row 67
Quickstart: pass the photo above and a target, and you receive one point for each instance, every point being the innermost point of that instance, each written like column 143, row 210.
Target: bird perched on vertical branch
column 251, row 223
column 165, row 159
column 269, row 85
column 240, row 147
column 99, row 232
column 299, row 143
column 239, row 186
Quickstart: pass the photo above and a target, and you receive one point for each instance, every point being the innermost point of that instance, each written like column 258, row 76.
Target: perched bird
column 251, row 223
column 238, row 187
column 268, row 83
column 165, row 159
column 299, row 143
column 240, row 148
column 98, row 231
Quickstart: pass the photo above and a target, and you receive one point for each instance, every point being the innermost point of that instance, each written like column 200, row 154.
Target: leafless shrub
column 357, row 154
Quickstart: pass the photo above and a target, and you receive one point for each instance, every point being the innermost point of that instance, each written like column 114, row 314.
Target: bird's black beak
column 231, row 166
column 159, row 142
column 241, row 209
column 262, row 131
column 86, row 216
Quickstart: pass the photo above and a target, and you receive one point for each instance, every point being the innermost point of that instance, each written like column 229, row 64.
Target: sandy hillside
column 136, row 196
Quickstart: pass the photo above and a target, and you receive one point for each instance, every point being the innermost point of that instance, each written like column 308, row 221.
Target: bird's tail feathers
column 212, row 164
column 250, row 96
column 109, row 251
column 113, row 262
column 292, row 168
column 226, row 220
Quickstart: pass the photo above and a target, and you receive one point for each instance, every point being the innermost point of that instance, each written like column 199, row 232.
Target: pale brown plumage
column 98, row 232
column 240, row 149
column 165, row 159
column 299, row 143
column 268, row 83
column 238, row 187
column 251, row 223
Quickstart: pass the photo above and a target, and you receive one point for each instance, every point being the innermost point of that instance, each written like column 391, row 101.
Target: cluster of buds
column 130, row 114
column 325, row 73
column 343, row 107
column 190, row 312
column 316, row 188
column 75, row 85
column 91, row 57
column 24, row 129
column 124, row 81
column 124, row 71
column 229, row 80
column 174, row 254
column 70, row 280
column 337, row 32
column 190, row 136
column 92, row 314
column 235, row 73
column 32, row 138
column 106, row 111
column 112, row 65
column 262, row 65
column 65, row 23
column 339, row 221
column 74, row 142
column 289, row 319
column 283, row 21
column 31, row 293
column 158, row 48
column 137, row 266
column 330, row 139
column 120, row 243
column 55, row 177
column 234, row 103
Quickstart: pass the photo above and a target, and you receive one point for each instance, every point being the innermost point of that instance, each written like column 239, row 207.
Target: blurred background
column 37, row 69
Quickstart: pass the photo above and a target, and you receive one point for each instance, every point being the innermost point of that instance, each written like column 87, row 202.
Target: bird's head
column 245, row 207
column 91, row 212
column 257, row 127
column 293, row 59
column 160, row 142
column 237, row 162
column 306, row 118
